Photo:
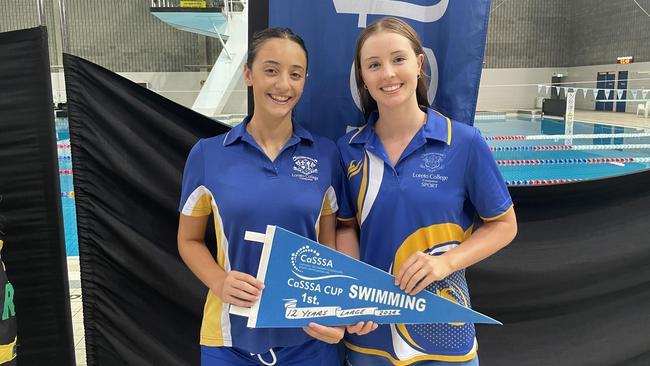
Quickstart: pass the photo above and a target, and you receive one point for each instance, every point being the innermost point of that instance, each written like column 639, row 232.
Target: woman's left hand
column 331, row 335
column 420, row 270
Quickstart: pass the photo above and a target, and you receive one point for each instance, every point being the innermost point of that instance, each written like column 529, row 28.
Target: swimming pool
column 535, row 150
column 67, row 189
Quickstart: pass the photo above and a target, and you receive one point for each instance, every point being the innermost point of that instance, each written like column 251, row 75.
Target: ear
column 248, row 80
column 420, row 62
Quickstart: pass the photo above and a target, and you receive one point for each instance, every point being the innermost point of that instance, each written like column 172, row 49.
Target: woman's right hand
column 362, row 328
column 240, row 289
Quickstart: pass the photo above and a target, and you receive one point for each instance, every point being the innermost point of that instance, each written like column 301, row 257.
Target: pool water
column 549, row 159
column 67, row 189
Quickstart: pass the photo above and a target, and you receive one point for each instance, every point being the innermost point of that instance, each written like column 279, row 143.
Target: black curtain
column 574, row 287
column 142, row 306
column 30, row 206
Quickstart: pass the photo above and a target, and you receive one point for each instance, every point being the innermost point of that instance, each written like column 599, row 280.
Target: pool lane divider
column 569, row 147
column 538, row 182
column 572, row 161
column 558, row 137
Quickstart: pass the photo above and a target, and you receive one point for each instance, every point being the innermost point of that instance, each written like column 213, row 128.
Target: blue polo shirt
column 427, row 202
column 230, row 177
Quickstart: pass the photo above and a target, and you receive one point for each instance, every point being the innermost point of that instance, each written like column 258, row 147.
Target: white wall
column 181, row 87
column 590, row 73
column 512, row 89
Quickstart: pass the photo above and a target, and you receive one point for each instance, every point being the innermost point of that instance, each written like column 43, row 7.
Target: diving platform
column 223, row 92
column 210, row 22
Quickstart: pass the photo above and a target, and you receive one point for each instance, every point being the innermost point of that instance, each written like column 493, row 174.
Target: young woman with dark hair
column 268, row 170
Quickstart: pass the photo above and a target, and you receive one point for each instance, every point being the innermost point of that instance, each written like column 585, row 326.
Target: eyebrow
column 278, row 64
column 392, row 53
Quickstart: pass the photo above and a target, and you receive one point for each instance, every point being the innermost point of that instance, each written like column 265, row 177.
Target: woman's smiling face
column 390, row 68
column 277, row 76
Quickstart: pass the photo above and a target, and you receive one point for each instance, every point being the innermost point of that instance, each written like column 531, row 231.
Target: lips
column 279, row 99
column 389, row 89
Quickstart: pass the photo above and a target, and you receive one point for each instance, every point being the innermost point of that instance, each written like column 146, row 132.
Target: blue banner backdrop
column 309, row 282
column 452, row 32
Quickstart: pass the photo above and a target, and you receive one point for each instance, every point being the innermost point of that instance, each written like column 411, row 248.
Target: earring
column 365, row 86
column 419, row 75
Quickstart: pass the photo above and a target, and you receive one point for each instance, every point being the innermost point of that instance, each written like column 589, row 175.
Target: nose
column 282, row 82
column 389, row 72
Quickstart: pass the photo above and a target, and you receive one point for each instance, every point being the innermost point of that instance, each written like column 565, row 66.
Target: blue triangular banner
column 308, row 282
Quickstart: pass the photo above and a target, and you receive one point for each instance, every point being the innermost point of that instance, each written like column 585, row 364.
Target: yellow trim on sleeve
column 202, row 207
column 211, row 327
column 497, row 216
column 410, row 361
column 345, row 218
column 326, row 208
column 8, row 351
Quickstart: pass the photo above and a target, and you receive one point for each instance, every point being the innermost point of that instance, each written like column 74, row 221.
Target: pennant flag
column 548, row 88
column 595, row 91
column 609, row 93
column 557, row 90
column 308, row 282
column 584, row 92
column 634, row 93
column 330, row 101
column 619, row 93
column 566, row 90
column 539, row 88
column 644, row 93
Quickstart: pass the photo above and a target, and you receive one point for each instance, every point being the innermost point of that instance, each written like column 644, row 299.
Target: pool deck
column 613, row 118
column 608, row 118
column 76, row 307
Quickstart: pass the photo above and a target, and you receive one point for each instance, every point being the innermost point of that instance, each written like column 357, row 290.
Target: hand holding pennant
column 308, row 282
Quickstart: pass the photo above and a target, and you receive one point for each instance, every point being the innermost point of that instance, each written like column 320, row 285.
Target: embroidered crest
column 305, row 168
column 432, row 161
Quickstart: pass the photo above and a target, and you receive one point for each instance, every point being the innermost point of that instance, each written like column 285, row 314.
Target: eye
column 400, row 59
column 296, row 75
column 373, row 65
column 270, row 71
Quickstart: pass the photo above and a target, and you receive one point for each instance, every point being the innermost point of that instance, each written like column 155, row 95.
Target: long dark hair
column 398, row 26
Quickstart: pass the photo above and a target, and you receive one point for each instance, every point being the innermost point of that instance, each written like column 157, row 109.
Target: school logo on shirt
column 305, row 168
column 432, row 161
